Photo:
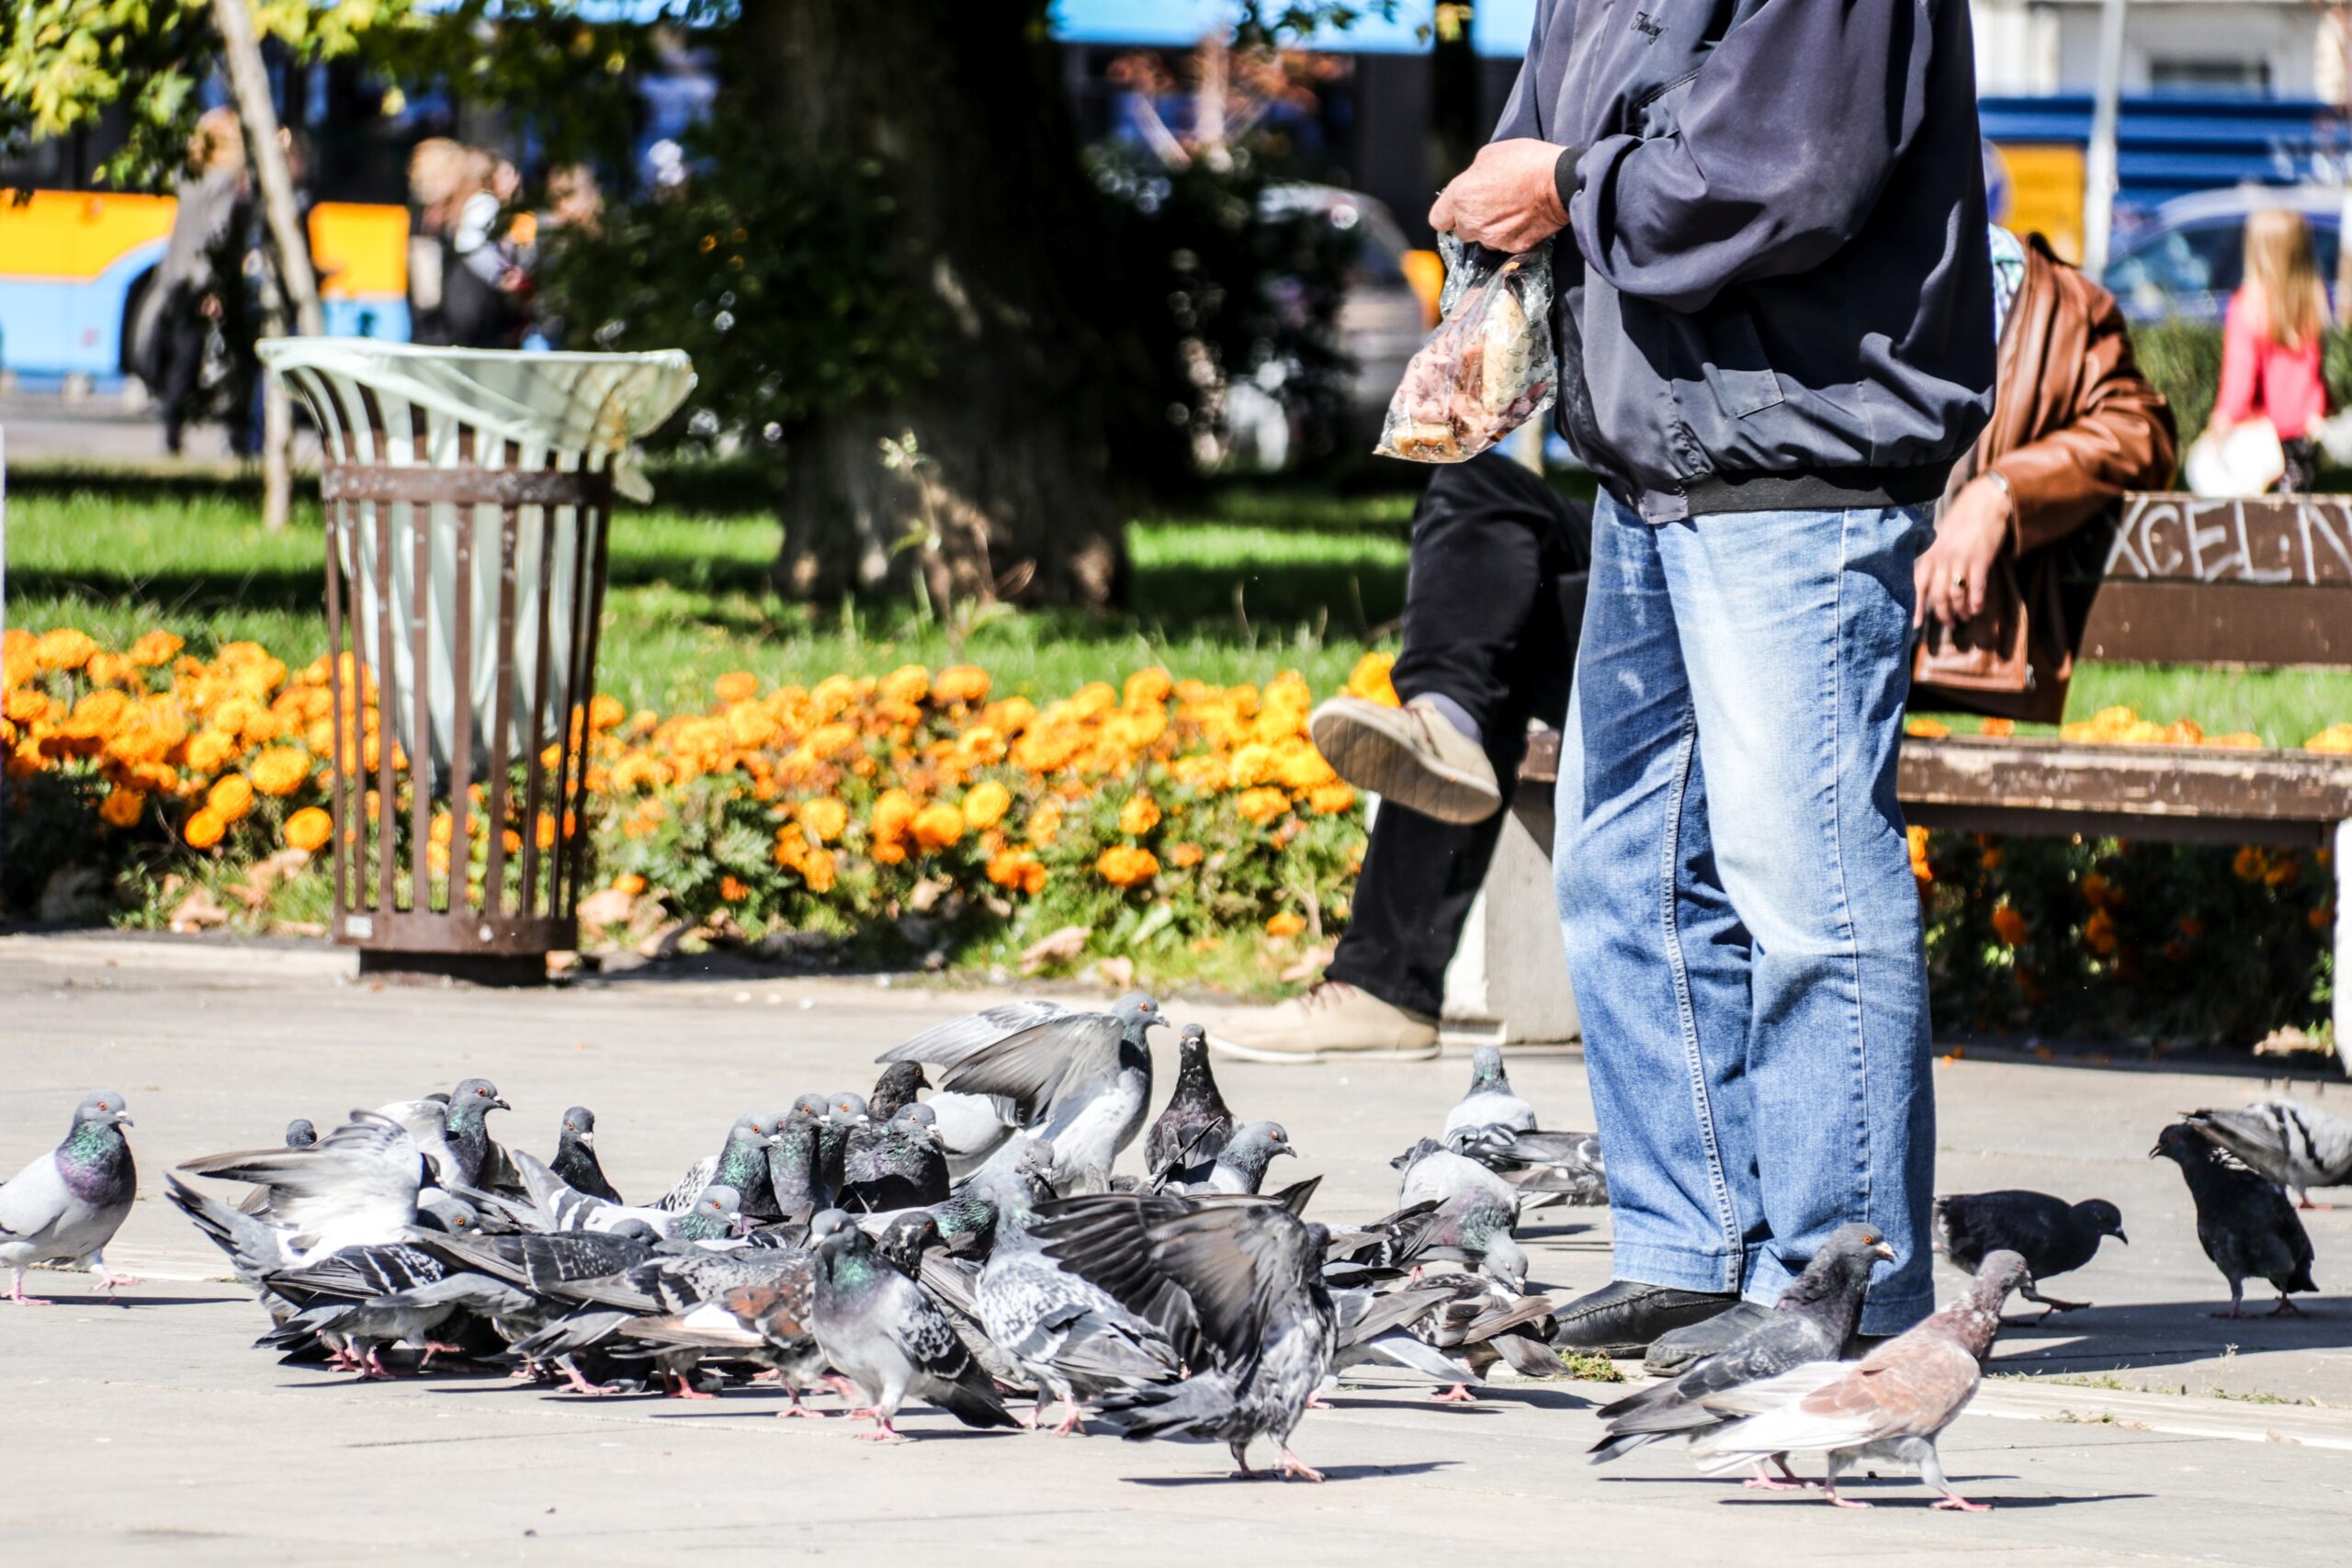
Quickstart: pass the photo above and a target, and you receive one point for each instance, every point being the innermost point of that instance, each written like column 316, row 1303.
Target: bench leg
column 2342, row 1011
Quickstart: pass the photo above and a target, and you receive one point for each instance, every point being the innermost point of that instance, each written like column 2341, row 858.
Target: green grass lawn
column 1254, row 579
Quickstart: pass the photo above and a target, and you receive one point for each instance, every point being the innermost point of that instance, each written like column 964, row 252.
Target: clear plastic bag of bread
column 1487, row 368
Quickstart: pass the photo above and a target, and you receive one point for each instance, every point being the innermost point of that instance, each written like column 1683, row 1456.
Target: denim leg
column 1792, row 628
column 1659, row 958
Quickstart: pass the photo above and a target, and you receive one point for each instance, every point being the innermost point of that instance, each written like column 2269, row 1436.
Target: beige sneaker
column 1332, row 1020
column 1412, row 755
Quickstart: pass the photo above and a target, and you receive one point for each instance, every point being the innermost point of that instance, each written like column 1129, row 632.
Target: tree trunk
column 963, row 108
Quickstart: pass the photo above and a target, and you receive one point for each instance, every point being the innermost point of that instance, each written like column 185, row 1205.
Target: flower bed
column 1189, row 828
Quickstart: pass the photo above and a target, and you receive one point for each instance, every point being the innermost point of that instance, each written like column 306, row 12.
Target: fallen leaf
column 606, row 907
column 1059, row 947
column 197, row 910
column 1119, row 972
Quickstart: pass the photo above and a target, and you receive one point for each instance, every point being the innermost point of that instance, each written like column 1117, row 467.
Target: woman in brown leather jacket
column 2075, row 425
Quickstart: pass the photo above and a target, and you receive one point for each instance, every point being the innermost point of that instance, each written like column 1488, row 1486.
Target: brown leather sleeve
column 2119, row 435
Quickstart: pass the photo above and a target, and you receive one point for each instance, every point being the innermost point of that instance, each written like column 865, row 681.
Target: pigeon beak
column 1285, row 1149
column 1883, row 1250
column 2118, row 1235
column 122, row 1119
column 587, row 1140
column 500, row 1105
column 2154, row 1152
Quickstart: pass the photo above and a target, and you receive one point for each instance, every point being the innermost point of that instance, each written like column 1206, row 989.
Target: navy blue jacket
column 1778, row 293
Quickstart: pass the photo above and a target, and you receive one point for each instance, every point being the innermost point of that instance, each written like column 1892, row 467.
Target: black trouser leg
column 1492, row 609
column 179, row 365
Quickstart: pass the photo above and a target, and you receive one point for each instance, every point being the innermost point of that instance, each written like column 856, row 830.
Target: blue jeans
column 1741, row 922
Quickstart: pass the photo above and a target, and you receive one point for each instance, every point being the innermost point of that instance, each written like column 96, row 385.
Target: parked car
column 2189, row 258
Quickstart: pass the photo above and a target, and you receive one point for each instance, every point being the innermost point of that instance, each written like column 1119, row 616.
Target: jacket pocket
column 1736, row 369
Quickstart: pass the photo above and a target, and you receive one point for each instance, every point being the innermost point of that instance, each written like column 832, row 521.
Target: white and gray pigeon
column 1062, row 1333
column 1889, row 1406
column 1241, row 1165
column 1814, row 1320
column 1434, row 1173
column 1080, row 1080
column 1236, row 1283
column 453, row 1132
column 66, row 1205
column 356, row 1186
column 549, row 1203
column 2297, row 1145
column 882, row 1332
column 1491, row 1103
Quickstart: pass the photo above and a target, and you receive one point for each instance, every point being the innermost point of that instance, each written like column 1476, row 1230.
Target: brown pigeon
column 1889, row 1406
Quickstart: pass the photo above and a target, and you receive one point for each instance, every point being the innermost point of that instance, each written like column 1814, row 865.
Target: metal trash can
column 467, row 495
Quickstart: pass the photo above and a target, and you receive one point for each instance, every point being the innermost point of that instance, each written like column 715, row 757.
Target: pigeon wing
column 1034, row 1066
column 951, row 1043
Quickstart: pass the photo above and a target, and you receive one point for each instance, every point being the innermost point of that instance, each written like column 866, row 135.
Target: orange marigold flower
column 736, row 687
column 1285, row 924
column 894, row 813
column 2009, row 925
column 63, row 648
column 1146, row 687
column 960, row 684
column 825, row 817
column 2191, row 927
column 818, row 871
column 605, row 712
column 208, row 751
column 733, row 890
column 629, row 884
column 232, row 798
column 152, row 649
column 936, row 827
column 985, row 805
column 1123, row 865
column 1926, row 729
column 1045, row 822
column 309, row 829
column 1368, row 680
column 1184, row 857
column 1330, row 799
column 1997, row 728
column 907, row 684
column 1139, row 815
column 2250, row 864
column 1262, row 806
column 122, row 807
column 281, row 770
column 2099, row 933
column 203, row 828
column 2283, row 871
column 513, row 840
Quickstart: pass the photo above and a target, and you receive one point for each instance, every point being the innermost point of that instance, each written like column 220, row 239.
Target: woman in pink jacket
column 2270, row 342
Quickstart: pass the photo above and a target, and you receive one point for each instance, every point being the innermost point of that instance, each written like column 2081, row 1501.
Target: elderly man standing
column 1775, row 327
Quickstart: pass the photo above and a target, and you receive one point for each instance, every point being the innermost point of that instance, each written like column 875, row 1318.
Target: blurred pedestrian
column 2270, row 343
column 202, row 266
column 436, row 188
column 480, row 282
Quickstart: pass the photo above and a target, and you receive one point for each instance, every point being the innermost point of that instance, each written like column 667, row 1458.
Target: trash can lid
column 590, row 403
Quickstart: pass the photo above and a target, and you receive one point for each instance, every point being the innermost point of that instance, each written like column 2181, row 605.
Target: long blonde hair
column 2282, row 270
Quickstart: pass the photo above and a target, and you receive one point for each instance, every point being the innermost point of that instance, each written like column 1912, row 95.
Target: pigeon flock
column 958, row 1239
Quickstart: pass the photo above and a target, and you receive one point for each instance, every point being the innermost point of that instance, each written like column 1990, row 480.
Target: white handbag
column 2246, row 460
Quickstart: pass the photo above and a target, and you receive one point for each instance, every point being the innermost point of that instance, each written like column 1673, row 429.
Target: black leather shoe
column 1673, row 1354
column 1622, row 1318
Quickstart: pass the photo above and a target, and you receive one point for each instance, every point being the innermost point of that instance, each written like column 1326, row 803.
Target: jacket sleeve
column 2120, row 437
column 1791, row 130
column 2234, row 401
column 1522, row 116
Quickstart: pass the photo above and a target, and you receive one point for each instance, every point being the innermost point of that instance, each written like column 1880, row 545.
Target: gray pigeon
column 2053, row 1235
column 1434, row 1173
column 793, row 1175
column 575, row 1163
column 455, row 1137
column 899, row 1164
column 1241, row 1167
column 880, row 1331
column 895, row 1090
column 741, row 1162
column 1062, row 1334
column 843, row 1115
column 66, row 1205
column 1813, row 1321
column 1195, row 1124
column 1079, row 1080
column 1236, row 1284
column 2297, row 1145
column 2244, row 1221
column 1889, row 1406
column 1545, row 1167
column 356, row 1186
column 300, row 1133
column 763, row 1319
column 1491, row 1103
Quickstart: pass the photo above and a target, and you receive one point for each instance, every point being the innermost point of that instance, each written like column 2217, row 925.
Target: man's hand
column 1951, row 574
column 1507, row 200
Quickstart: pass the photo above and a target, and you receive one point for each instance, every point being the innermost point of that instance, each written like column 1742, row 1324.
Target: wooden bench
column 2262, row 583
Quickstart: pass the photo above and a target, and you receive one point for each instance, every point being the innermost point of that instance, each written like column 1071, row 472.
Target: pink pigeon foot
column 111, row 1280
column 1458, row 1395
column 883, row 1431
column 579, row 1385
column 686, row 1389
column 797, row 1408
column 1787, row 1481
column 1954, row 1500
column 1830, row 1491
column 2287, row 1308
column 1295, row 1466
column 1073, row 1420
column 1317, row 1402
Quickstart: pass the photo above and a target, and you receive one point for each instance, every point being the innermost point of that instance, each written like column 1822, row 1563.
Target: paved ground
column 106, row 428
column 153, row 1433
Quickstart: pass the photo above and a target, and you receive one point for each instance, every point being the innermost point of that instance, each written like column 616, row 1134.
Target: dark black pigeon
column 1195, row 1125
column 1813, row 1321
column 575, row 1156
column 881, row 1332
column 897, row 1166
column 2244, row 1221
column 2053, row 1235
column 896, row 1088
column 1236, row 1284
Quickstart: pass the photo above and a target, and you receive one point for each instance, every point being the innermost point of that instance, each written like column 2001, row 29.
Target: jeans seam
column 1838, row 855
column 1694, row 1058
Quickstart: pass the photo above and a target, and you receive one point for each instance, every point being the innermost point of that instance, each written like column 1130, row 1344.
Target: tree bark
column 963, row 108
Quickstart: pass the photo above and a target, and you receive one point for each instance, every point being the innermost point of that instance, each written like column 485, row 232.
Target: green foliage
column 771, row 267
